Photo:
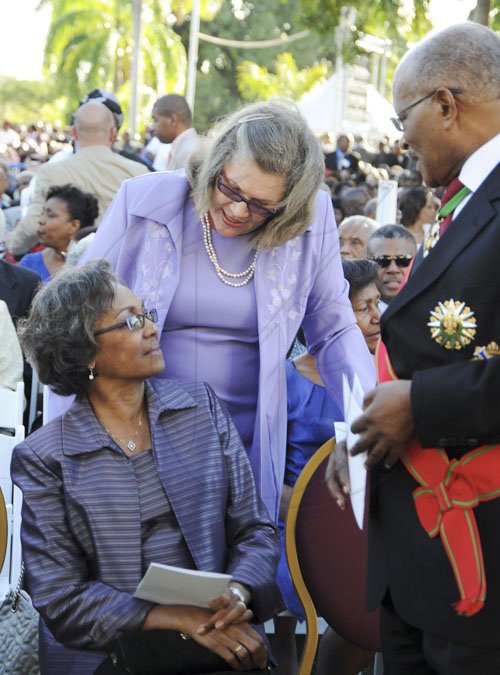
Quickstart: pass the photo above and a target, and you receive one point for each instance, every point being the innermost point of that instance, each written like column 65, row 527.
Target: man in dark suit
column 17, row 288
column 341, row 159
column 439, row 587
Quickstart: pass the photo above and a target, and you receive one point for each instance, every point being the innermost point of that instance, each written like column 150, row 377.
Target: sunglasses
column 252, row 205
column 133, row 322
column 400, row 260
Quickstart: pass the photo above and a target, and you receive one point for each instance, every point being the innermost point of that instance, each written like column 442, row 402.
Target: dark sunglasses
column 252, row 205
column 400, row 260
column 133, row 322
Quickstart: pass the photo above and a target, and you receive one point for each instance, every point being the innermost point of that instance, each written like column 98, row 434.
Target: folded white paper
column 167, row 585
column 353, row 401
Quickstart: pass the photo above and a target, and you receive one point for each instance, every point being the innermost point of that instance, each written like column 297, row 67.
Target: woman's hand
column 239, row 645
column 227, row 609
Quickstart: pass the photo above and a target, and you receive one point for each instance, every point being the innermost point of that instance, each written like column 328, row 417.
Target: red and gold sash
column 445, row 499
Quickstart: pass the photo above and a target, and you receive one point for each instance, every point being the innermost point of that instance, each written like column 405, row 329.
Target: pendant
column 452, row 324
column 131, row 446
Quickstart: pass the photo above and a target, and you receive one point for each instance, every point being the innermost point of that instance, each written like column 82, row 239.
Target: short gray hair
column 277, row 138
column 58, row 334
column 464, row 56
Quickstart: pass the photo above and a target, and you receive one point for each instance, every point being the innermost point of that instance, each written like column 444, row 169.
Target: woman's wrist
column 241, row 591
column 161, row 616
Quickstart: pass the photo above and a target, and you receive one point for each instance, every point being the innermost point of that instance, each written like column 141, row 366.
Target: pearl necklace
column 246, row 275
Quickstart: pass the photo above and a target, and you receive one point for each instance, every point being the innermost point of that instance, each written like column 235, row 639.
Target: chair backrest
column 12, row 497
column 11, row 406
column 326, row 554
column 4, row 529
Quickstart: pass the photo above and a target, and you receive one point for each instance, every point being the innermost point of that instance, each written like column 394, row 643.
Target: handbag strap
column 17, row 593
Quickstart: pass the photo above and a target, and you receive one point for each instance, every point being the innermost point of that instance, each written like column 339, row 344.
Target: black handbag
column 161, row 652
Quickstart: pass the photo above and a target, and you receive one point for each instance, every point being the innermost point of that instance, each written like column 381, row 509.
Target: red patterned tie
column 449, row 192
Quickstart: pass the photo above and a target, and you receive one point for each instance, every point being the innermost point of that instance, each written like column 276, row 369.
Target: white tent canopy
column 318, row 107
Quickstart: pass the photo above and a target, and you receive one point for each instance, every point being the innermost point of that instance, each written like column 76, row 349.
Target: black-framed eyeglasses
column 400, row 260
column 133, row 322
column 252, row 205
column 400, row 118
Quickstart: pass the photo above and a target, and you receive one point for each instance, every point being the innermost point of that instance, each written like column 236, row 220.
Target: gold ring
column 238, row 649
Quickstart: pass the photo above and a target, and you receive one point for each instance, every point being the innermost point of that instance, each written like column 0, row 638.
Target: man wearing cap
column 431, row 429
column 172, row 123
column 94, row 168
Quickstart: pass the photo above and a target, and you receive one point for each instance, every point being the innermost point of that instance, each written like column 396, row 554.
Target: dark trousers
column 107, row 668
column 409, row 651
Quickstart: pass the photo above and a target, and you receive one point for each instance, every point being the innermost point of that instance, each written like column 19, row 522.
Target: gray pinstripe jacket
column 81, row 531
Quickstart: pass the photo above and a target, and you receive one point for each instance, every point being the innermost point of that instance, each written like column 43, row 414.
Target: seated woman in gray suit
column 136, row 471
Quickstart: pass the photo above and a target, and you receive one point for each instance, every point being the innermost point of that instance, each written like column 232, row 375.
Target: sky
column 23, row 39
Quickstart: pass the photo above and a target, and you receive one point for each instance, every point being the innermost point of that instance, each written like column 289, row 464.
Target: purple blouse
column 208, row 317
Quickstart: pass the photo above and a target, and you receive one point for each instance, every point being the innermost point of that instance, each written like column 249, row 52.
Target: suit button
column 472, row 442
column 442, row 442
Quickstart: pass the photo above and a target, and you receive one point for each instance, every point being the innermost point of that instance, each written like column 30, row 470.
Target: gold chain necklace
column 245, row 276
column 130, row 444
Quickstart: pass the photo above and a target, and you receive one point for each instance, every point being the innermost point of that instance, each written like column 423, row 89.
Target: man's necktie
column 452, row 196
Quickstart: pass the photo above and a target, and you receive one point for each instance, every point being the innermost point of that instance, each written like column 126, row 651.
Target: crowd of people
column 194, row 305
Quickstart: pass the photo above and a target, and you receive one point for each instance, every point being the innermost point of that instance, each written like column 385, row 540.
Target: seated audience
column 354, row 233
column 392, row 248
column 66, row 210
column 108, row 487
column 418, row 211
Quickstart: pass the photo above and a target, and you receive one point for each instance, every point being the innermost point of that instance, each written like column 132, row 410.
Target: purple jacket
column 81, row 528
column 298, row 283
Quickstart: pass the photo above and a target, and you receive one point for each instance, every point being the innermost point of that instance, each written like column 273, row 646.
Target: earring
column 91, row 373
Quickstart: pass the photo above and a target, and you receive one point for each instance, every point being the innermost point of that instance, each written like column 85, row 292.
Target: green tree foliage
column 384, row 18
column 22, row 101
column 223, row 82
column 90, row 44
column 257, row 82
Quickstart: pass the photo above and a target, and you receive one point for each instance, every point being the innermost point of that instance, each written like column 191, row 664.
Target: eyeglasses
column 252, row 205
column 134, row 322
column 400, row 260
column 399, row 119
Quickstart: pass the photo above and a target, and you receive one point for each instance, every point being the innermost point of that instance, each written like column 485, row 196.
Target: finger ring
column 238, row 649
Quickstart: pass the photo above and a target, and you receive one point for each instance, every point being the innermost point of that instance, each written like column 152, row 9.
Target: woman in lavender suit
column 235, row 257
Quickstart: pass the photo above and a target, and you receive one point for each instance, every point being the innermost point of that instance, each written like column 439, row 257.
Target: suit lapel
column 475, row 216
column 7, row 285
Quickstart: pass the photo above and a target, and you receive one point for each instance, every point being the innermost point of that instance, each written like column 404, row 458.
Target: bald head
column 464, row 56
column 94, row 124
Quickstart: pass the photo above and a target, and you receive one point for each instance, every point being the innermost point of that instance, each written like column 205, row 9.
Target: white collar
column 480, row 164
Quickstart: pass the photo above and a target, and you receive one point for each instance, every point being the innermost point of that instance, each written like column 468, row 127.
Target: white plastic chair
column 11, row 417
column 11, row 406
column 11, row 569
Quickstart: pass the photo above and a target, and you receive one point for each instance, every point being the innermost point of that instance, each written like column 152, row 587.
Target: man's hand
column 337, row 474
column 386, row 424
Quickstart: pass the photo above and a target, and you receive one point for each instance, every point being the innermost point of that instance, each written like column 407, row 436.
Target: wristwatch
column 237, row 591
